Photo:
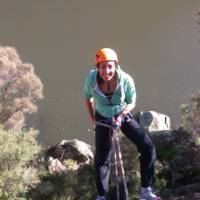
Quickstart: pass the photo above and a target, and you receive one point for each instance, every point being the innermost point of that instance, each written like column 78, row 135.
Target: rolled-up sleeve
column 130, row 94
column 88, row 88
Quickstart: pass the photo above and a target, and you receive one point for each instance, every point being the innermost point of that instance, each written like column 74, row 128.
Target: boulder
column 76, row 150
column 55, row 166
column 194, row 196
column 153, row 121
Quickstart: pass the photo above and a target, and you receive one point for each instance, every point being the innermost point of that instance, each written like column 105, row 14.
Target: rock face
column 186, row 166
column 153, row 121
column 72, row 149
column 178, row 155
column 194, row 196
column 181, row 159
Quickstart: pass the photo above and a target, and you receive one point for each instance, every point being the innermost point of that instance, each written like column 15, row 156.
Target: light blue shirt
column 124, row 94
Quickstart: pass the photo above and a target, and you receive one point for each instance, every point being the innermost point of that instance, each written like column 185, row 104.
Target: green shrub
column 18, row 151
column 75, row 184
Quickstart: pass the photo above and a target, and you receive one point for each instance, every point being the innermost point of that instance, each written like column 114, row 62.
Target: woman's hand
column 123, row 113
column 119, row 119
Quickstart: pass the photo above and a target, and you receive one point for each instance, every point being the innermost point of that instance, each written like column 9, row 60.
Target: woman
column 110, row 94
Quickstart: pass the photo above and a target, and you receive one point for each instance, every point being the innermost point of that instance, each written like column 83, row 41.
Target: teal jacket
column 124, row 94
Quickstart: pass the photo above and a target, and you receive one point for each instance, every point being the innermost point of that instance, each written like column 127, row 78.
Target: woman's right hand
column 119, row 119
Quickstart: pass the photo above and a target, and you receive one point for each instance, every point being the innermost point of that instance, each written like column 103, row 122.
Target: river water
column 157, row 42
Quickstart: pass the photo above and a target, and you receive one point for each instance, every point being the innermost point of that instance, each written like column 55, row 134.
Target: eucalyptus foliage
column 20, row 89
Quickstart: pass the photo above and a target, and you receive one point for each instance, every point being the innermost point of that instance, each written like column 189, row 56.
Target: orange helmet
column 106, row 54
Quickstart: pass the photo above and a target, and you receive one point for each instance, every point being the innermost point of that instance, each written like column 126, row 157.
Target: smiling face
column 107, row 70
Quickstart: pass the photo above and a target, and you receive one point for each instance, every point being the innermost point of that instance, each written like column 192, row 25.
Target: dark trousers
column 136, row 134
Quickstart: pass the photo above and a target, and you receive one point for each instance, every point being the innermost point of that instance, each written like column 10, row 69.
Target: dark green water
column 157, row 42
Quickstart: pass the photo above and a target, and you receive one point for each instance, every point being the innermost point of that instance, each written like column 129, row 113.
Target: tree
column 191, row 116
column 20, row 89
column 197, row 16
